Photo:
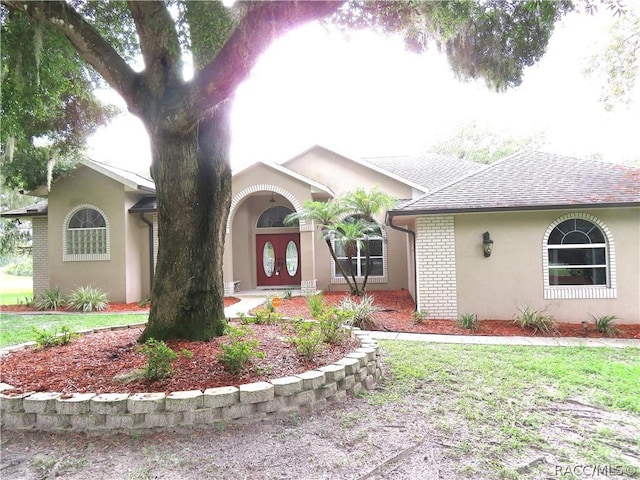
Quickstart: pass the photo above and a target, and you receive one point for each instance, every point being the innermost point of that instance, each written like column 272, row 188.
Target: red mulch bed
column 90, row 362
column 397, row 306
column 112, row 308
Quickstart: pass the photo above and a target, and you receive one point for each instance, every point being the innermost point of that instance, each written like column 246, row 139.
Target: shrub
column 159, row 359
column 331, row 324
column 315, row 303
column 88, row 299
column 46, row 339
column 308, row 338
column 50, row 299
column 360, row 313
column 536, row 320
column 144, row 302
column 288, row 293
column 419, row 316
column 236, row 355
column 28, row 301
column 23, row 267
column 468, row 321
column 604, row 324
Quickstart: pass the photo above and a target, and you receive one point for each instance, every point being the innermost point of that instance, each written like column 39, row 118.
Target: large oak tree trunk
column 193, row 186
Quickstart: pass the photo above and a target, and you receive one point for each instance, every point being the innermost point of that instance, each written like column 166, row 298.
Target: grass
column 16, row 329
column 14, row 289
column 499, row 406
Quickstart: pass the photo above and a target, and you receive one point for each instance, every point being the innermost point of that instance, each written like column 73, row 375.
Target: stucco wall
column 495, row 287
column 339, row 175
column 85, row 186
column 137, row 253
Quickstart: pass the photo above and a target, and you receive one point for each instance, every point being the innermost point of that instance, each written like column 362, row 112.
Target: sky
column 363, row 94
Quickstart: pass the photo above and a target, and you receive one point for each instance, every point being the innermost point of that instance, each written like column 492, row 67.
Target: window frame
column 338, row 279
column 606, row 290
column 68, row 256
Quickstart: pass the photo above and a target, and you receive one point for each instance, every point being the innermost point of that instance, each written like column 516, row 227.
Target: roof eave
column 516, row 208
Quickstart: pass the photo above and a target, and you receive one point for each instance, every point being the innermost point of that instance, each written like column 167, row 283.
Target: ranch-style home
column 533, row 229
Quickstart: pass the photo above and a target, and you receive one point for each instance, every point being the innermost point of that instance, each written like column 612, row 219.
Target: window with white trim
column 377, row 260
column 579, row 258
column 86, row 235
column 577, row 252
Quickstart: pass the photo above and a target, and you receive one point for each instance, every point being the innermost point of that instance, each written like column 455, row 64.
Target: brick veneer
column 436, row 265
column 121, row 412
column 40, row 242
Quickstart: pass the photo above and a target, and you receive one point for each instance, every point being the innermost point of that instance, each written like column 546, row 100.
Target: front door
column 278, row 259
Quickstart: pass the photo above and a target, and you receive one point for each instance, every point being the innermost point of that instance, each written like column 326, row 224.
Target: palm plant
column 324, row 215
column 367, row 205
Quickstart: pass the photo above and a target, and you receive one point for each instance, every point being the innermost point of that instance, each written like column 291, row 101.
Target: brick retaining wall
column 115, row 412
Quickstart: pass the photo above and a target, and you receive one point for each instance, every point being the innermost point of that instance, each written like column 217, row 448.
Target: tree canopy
column 188, row 120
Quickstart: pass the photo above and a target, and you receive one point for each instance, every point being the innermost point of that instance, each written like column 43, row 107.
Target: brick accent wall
column 436, row 266
column 40, row 232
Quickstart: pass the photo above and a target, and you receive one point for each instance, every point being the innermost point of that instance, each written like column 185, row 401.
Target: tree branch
column 263, row 22
column 159, row 43
column 85, row 38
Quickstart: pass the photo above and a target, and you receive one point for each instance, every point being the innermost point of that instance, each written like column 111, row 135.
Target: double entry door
column 278, row 259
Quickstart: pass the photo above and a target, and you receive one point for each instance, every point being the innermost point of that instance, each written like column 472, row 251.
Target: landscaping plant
column 361, row 313
column 51, row 299
column 159, row 359
column 45, row 338
column 419, row 316
column 315, row 303
column 88, row 299
column 536, row 320
column 468, row 321
column 604, row 324
column 241, row 351
column 331, row 323
column 307, row 338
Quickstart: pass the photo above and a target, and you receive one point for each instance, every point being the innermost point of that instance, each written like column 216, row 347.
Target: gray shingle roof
column 430, row 170
column 39, row 209
column 532, row 180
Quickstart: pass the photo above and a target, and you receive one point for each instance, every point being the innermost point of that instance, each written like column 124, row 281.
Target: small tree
column 351, row 234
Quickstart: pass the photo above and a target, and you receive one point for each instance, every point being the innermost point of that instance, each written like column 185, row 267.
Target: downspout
column 151, row 269
column 389, row 221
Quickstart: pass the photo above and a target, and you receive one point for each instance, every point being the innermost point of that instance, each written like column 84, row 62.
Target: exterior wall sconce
column 487, row 244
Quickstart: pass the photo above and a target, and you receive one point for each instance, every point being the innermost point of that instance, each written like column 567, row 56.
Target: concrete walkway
column 509, row 340
column 250, row 302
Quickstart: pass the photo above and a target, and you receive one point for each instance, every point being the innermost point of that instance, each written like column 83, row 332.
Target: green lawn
column 16, row 329
column 501, row 409
column 14, row 289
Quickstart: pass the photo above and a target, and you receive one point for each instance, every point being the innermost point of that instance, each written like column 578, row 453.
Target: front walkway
column 250, row 300
column 508, row 340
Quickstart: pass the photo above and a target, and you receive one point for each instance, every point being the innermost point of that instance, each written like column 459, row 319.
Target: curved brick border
column 116, row 412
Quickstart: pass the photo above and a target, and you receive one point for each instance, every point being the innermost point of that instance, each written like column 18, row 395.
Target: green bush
column 46, row 338
column 536, row 320
column 331, row 323
column 51, row 299
column 315, row 303
column 240, row 352
column 468, row 321
column 360, row 313
column 419, row 316
column 88, row 299
column 307, row 338
column 23, row 267
column 288, row 293
column 159, row 359
column 604, row 324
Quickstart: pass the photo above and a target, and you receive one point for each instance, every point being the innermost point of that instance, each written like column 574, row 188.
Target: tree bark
column 193, row 186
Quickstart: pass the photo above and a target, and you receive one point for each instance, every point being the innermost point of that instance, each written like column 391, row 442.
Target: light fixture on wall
column 273, row 200
column 487, row 244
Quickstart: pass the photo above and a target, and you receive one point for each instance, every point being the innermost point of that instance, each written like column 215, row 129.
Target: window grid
column 86, row 235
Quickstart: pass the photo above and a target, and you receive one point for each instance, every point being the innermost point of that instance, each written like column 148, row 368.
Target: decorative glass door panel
column 278, row 259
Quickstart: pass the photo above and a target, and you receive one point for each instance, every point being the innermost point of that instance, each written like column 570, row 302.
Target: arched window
column 578, row 255
column 86, row 234
column 273, row 217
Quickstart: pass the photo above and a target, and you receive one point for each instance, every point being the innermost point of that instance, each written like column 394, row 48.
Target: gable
column 343, row 174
